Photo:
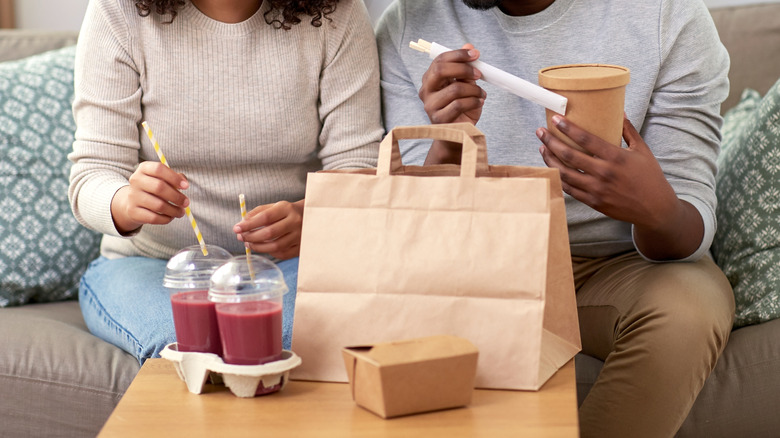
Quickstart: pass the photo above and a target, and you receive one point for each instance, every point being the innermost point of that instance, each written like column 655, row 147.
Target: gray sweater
column 678, row 81
column 238, row 108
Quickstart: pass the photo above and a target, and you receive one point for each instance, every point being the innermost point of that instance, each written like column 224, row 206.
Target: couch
column 58, row 380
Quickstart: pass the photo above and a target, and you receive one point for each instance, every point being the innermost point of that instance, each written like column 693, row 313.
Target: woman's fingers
column 274, row 229
column 153, row 197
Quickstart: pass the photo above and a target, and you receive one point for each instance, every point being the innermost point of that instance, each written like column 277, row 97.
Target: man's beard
column 482, row 4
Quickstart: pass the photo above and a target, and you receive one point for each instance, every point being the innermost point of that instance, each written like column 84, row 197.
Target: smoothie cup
column 596, row 98
column 248, row 295
column 187, row 276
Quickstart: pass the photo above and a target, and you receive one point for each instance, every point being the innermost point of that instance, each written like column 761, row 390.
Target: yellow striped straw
column 186, row 209
column 242, row 203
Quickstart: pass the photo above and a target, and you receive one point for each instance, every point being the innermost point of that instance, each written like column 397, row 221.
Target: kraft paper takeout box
column 412, row 376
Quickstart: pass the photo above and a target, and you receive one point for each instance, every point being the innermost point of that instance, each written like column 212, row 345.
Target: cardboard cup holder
column 243, row 380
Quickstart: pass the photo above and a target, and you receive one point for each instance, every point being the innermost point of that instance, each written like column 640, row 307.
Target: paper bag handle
column 474, row 154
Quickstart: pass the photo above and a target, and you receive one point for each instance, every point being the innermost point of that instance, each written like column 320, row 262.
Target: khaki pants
column 659, row 328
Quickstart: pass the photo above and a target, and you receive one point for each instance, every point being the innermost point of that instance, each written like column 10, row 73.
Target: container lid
column 190, row 269
column 584, row 77
column 413, row 350
column 247, row 278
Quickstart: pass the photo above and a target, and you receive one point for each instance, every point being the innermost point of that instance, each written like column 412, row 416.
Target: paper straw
column 492, row 75
column 186, row 209
column 242, row 203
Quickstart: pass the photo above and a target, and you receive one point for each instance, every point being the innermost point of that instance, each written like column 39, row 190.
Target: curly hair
column 283, row 14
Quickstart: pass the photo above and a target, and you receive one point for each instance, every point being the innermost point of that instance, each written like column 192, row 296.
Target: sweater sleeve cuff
column 708, row 217
column 96, row 208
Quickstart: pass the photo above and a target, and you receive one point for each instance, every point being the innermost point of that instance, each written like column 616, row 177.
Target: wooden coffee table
column 157, row 403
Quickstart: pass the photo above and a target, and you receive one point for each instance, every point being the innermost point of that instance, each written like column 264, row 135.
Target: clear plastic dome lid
column 190, row 269
column 247, row 278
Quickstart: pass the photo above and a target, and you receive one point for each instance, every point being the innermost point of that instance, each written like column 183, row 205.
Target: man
column 651, row 302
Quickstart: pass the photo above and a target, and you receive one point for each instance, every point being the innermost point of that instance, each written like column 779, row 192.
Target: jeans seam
column 107, row 319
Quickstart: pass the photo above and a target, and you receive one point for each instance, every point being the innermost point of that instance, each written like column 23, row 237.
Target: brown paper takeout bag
column 475, row 251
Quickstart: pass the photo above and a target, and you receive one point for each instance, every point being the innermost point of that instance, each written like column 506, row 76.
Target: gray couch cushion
column 17, row 44
column 56, row 379
column 741, row 397
column 751, row 35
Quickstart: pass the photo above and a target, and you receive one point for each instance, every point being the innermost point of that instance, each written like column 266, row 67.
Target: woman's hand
column 153, row 197
column 625, row 184
column 273, row 229
column 450, row 94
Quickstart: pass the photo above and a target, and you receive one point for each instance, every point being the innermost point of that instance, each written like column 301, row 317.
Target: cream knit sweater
column 238, row 108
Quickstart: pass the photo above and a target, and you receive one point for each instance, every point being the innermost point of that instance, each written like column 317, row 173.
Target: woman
column 243, row 97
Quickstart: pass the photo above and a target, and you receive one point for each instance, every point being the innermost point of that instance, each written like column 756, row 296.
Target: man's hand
column 450, row 94
column 625, row 184
column 449, row 90
column 153, row 197
column 273, row 229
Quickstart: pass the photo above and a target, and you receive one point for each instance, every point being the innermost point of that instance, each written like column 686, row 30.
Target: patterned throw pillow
column 43, row 250
column 747, row 243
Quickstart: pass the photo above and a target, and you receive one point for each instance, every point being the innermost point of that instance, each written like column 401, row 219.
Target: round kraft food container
column 596, row 98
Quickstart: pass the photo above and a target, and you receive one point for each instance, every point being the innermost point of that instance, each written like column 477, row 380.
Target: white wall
column 67, row 14
column 50, row 14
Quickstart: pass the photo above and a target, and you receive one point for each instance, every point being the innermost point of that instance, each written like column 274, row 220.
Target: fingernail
column 184, row 184
column 556, row 119
column 236, row 229
column 476, row 74
column 539, row 133
column 473, row 53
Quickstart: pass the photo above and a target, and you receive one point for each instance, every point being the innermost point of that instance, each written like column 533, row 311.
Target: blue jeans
column 124, row 302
